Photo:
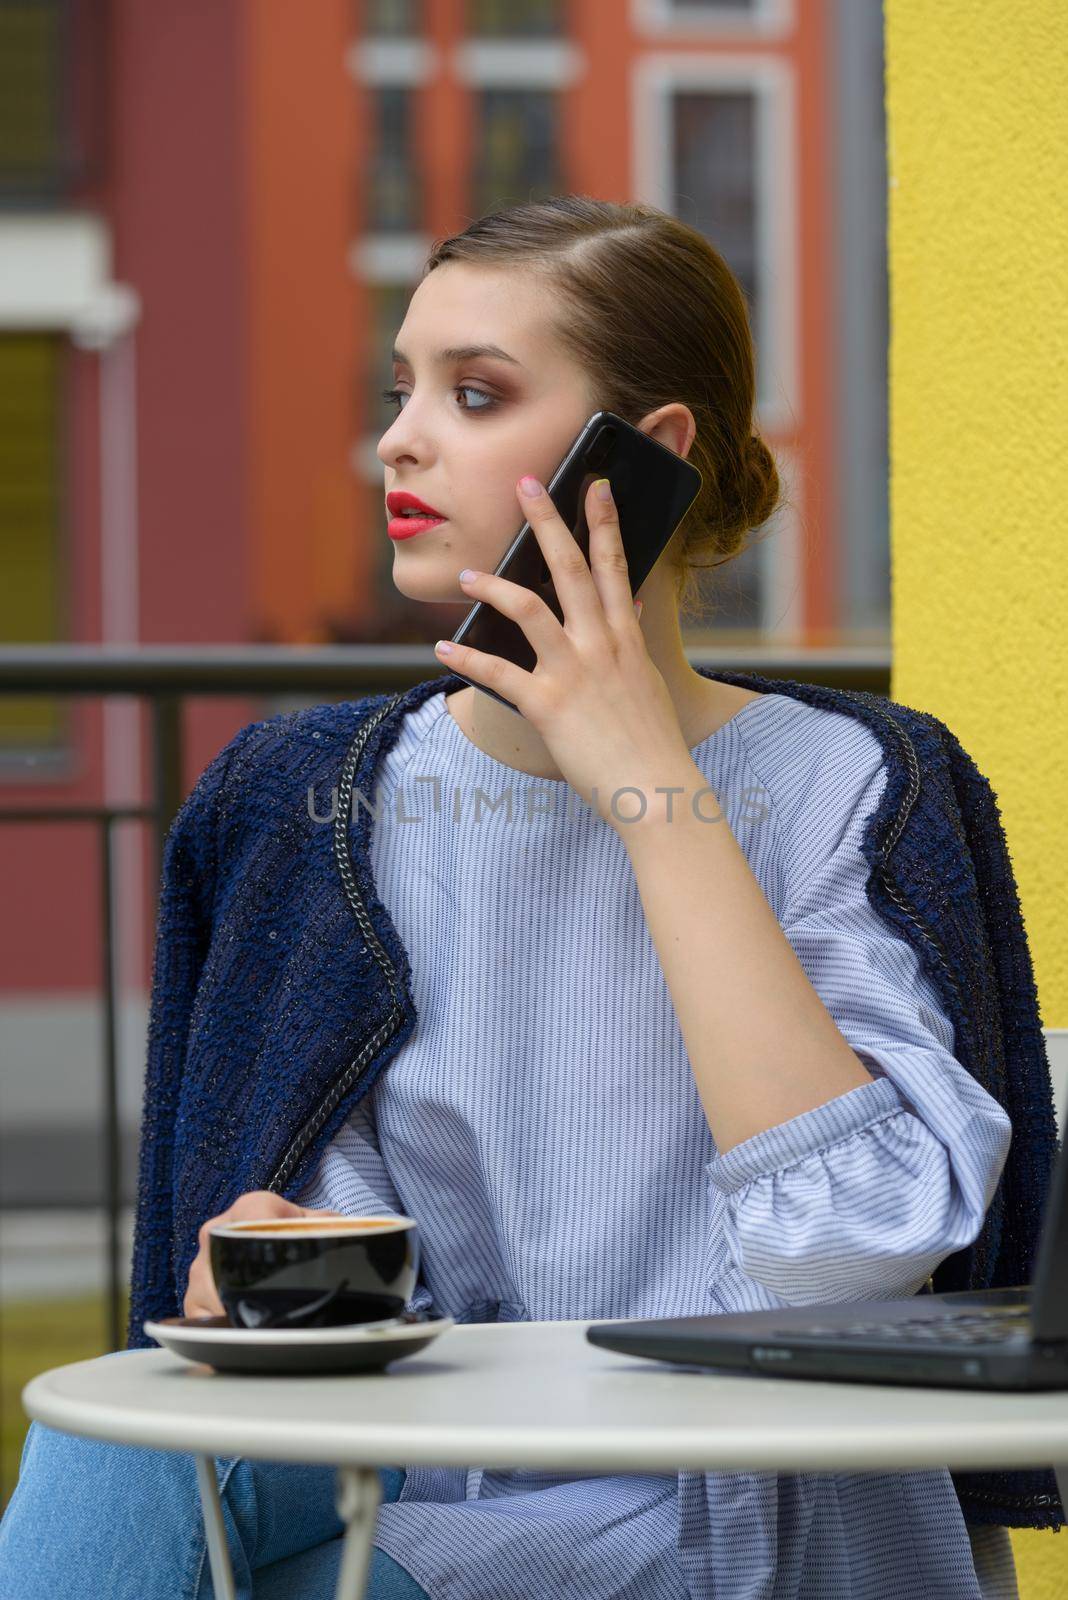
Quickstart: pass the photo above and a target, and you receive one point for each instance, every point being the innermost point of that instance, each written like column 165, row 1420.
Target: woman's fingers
column 568, row 567
column 608, row 559
column 590, row 594
column 201, row 1297
column 529, row 612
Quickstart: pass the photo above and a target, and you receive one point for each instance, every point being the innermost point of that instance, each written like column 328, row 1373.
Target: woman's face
column 468, row 427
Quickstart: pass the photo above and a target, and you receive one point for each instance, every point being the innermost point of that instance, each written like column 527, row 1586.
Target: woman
column 660, row 1067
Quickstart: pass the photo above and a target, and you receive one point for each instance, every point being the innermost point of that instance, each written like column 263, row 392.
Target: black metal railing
column 165, row 677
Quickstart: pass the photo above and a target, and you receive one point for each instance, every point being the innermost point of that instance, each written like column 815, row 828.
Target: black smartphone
column 653, row 488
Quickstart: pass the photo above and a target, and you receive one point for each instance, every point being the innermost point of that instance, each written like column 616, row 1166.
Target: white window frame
column 379, row 62
column 657, row 76
column 769, row 19
column 389, row 257
column 518, row 63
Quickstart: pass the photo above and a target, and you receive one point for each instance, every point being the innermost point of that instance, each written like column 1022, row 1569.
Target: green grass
column 36, row 1335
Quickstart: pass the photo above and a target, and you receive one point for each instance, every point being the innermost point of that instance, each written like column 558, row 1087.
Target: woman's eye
column 395, row 396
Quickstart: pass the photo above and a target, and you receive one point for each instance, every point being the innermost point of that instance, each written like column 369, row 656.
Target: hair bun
column 760, row 481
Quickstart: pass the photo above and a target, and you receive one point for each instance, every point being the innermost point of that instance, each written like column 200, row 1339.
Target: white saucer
column 361, row 1347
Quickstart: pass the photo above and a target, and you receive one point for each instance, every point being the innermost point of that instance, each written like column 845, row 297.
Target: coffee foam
column 309, row 1228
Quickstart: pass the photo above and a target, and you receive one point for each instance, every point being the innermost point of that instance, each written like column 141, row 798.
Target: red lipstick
column 401, row 526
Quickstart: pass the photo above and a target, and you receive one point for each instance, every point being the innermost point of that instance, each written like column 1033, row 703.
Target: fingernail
column 443, row 647
column 638, row 607
column 529, row 485
column 604, row 489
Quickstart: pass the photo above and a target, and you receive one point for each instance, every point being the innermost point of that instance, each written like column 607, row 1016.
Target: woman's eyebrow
column 463, row 352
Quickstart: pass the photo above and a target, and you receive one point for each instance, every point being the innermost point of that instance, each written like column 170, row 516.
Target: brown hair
column 655, row 315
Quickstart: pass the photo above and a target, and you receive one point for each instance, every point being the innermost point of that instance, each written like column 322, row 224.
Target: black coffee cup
column 298, row 1272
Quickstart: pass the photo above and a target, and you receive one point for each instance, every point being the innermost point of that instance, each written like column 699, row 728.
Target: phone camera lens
column 600, row 448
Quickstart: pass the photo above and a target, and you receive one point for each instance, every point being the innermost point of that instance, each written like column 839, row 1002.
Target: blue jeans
column 90, row 1519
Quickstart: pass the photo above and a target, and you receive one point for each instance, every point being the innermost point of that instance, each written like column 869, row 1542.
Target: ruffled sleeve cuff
column 767, row 1152
column 856, row 1199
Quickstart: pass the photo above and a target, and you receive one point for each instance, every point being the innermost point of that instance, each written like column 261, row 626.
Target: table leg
column 359, row 1493
column 222, row 1573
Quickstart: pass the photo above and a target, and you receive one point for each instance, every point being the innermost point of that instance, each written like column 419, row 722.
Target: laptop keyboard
column 958, row 1327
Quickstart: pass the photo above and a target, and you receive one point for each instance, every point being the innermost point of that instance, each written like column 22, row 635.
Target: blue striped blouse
column 543, row 1126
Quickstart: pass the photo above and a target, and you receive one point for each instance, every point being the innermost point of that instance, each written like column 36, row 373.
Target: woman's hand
column 595, row 697
column 201, row 1298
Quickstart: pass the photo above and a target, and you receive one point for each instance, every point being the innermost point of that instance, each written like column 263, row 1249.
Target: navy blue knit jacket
column 281, row 989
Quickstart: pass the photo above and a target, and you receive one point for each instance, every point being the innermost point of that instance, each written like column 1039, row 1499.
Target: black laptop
column 968, row 1339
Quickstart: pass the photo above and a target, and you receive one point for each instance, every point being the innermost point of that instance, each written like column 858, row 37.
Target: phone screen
column 652, row 487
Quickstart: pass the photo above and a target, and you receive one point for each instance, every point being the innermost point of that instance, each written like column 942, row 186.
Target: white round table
column 534, row 1395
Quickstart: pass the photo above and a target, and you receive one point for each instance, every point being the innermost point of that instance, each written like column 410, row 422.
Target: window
column 734, row 592
column 32, row 133
column 390, row 19
column 394, row 199
column 713, row 144
column 388, row 303
column 714, row 165
column 52, row 84
column 711, row 6
column 498, row 19
column 32, row 567
column 516, row 142
column 758, row 594
column 708, row 17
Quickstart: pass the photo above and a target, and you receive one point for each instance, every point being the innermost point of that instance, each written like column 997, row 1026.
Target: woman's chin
column 424, row 589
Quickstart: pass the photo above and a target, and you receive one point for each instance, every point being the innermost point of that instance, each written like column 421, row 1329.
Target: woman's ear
column 671, row 425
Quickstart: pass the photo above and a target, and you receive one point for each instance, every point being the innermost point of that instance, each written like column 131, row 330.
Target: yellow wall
column 977, row 129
